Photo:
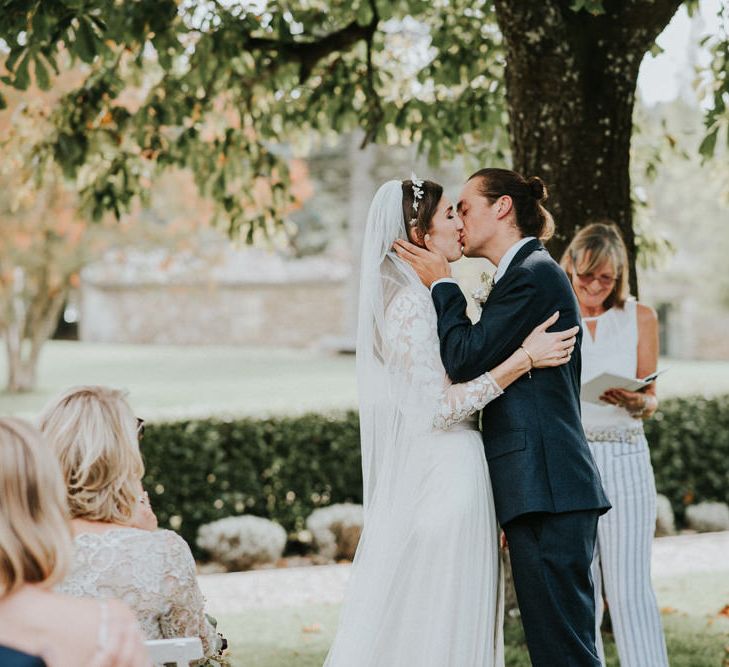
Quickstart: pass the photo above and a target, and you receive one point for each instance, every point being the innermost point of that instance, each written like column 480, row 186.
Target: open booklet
column 592, row 390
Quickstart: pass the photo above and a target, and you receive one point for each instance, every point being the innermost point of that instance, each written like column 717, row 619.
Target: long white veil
column 428, row 516
column 383, row 391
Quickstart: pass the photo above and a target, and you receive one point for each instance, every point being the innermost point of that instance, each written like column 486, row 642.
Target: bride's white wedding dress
column 425, row 589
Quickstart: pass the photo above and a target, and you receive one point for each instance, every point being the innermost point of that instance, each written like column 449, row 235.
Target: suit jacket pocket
column 504, row 442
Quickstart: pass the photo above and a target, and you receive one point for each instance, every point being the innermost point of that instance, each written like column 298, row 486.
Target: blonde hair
column 592, row 247
column 35, row 531
column 94, row 435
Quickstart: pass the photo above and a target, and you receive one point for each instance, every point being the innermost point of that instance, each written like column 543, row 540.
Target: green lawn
column 168, row 382
column 300, row 638
column 697, row 635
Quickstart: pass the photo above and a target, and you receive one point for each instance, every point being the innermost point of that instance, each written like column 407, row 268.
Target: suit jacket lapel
column 520, row 256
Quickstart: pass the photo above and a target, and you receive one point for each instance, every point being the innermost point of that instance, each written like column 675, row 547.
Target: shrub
column 665, row 521
column 336, row 529
column 689, row 441
column 708, row 517
column 278, row 468
column 240, row 542
column 285, row 468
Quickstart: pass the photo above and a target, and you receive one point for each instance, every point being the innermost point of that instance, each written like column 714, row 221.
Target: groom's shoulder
column 541, row 263
column 543, row 269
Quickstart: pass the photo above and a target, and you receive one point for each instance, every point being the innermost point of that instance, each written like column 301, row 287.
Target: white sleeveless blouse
column 613, row 350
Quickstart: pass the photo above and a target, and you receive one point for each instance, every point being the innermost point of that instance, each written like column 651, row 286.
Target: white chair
column 179, row 652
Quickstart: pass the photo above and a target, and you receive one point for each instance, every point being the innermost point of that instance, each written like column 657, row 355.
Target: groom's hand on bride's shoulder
column 430, row 266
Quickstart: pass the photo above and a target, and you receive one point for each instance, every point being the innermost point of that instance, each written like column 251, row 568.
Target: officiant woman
column 620, row 336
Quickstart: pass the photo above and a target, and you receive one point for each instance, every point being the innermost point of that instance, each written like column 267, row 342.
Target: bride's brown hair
column 427, row 206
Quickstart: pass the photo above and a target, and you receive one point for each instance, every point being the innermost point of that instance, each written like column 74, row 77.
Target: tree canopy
column 225, row 88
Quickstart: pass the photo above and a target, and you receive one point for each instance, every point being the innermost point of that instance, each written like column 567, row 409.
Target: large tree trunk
column 570, row 84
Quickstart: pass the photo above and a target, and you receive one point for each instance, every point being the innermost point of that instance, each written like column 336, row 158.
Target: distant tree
column 556, row 78
column 43, row 246
column 46, row 240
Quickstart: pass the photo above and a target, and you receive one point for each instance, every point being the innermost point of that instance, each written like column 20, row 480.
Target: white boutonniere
column 481, row 293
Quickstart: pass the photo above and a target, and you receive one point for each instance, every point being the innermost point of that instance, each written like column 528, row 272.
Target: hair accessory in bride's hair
column 417, row 196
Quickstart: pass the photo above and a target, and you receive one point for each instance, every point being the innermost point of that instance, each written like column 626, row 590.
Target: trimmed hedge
column 689, row 440
column 284, row 468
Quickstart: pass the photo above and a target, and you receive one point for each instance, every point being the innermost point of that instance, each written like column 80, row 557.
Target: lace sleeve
column 412, row 335
column 185, row 615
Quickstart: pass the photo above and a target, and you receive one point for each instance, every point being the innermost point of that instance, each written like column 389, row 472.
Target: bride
column 425, row 587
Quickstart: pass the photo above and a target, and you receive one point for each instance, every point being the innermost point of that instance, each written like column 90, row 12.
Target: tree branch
column 308, row 54
column 646, row 20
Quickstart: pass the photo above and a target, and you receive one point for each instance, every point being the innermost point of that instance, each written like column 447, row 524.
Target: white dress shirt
column 508, row 256
column 503, row 264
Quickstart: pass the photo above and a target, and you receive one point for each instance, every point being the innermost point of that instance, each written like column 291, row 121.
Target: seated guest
column 94, row 434
column 35, row 553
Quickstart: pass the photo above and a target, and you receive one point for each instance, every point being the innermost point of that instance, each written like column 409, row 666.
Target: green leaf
column 706, row 149
column 51, row 60
column 41, row 74
column 40, row 23
column 3, row 102
column 13, row 58
column 364, row 13
column 85, row 45
column 22, row 76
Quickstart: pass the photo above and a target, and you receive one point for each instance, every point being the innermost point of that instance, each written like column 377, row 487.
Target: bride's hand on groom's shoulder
column 547, row 350
column 429, row 265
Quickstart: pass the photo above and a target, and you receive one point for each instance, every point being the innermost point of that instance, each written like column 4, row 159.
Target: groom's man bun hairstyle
column 418, row 222
column 527, row 195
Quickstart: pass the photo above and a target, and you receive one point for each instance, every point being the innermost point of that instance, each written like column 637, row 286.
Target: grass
column 300, row 637
column 697, row 635
column 166, row 382
column 285, row 637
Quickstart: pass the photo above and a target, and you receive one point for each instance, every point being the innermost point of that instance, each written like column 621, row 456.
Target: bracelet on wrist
column 649, row 403
column 531, row 359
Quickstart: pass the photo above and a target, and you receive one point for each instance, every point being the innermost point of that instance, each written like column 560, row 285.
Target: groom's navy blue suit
column 547, row 489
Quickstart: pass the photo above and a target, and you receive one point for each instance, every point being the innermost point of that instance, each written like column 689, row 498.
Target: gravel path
column 325, row 584
column 276, row 588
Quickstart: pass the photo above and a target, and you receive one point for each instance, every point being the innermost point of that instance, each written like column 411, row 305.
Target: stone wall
column 297, row 315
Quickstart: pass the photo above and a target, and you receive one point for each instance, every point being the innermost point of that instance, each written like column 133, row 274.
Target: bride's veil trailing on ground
column 387, row 409
column 383, row 391
column 421, row 557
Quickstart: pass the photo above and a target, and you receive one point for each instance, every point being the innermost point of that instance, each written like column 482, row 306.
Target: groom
column 547, row 489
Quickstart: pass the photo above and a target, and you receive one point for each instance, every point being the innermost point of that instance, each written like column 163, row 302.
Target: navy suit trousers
column 550, row 560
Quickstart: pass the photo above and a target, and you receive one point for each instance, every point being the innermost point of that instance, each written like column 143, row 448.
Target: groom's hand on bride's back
column 429, row 265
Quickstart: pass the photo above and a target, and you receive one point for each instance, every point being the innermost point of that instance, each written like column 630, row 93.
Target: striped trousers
column 621, row 569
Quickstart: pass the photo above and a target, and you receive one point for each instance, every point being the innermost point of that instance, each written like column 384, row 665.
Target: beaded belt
column 631, row 435
column 464, row 425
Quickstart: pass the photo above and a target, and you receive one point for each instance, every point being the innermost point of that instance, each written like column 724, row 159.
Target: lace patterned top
column 412, row 333
column 152, row 572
